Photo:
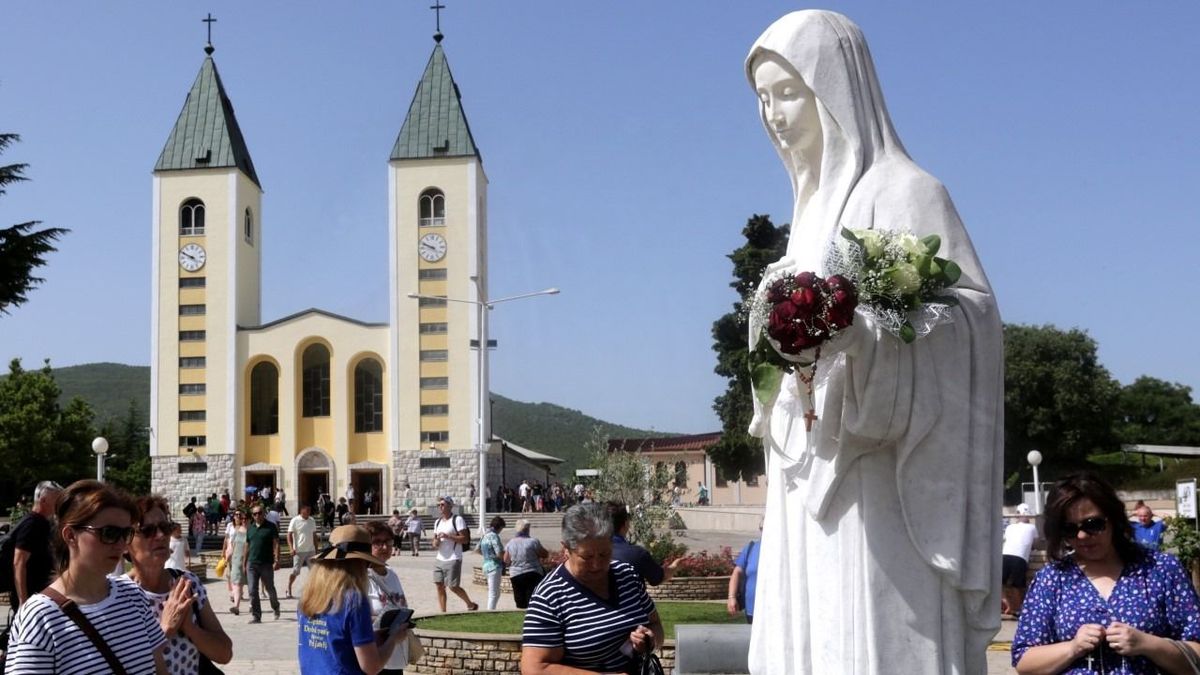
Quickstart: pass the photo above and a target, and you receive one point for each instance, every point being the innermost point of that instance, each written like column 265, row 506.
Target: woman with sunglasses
column 113, row 624
column 235, row 560
column 1103, row 604
column 177, row 598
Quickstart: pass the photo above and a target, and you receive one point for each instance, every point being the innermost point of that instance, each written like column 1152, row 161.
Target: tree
column 128, row 451
column 39, row 440
column 22, row 249
column 1151, row 411
column 738, row 454
column 1057, row 397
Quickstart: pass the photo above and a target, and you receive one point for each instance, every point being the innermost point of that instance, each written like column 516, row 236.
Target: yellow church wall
column 366, row 446
column 191, row 349
column 249, row 253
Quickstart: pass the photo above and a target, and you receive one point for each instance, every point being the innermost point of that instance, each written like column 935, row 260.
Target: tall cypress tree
column 738, row 454
column 21, row 247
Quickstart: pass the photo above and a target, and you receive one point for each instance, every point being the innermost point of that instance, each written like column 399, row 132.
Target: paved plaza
column 269, row 648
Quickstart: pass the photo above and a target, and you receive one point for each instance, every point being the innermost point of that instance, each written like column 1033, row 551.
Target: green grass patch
column 509, row 623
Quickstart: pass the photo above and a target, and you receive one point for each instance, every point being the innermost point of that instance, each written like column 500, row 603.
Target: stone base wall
column 429, row 484
column 483, row 654
column 691, row 588
column 170, row 477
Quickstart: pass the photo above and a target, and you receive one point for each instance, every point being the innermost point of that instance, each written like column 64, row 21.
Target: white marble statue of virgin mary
column 880, row 549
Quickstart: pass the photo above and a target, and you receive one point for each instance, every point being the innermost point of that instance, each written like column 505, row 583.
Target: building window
column 193, row 467
column 193, row 441
column 264, row 399
column 368, row 396
column 191, row 217
column 435, row 463
column 431, row 302
column 193, row 415
column 191, row 362
column 248, row 226
column 435, row 409
column 315, row 382
column 435, row 382
column 721, row 480
column 192, row 282
column 191, row 310
column 192, row 389
column 681, row 477
column 433, row 328
column 432, row 208
column 191, row 335
column 434, row 354
column 438, row 274
column 435, row 437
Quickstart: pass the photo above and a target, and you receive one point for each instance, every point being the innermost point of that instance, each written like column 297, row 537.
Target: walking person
column 449, row 535
column 181, row 556
column 413, row 528
column 262, row 561
column 524, row 556
column 302, row 540
column 493, row 562
column 235, row 561
column 199, row 526
column 396, row 525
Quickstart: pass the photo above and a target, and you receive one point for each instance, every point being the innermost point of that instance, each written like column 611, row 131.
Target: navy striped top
column 591, row 631
column 44, row 640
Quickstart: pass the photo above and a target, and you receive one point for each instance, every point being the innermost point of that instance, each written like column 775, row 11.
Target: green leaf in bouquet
column 766, row 379
column 932, row 243
column 907, row 333
column 924, row 264
column 848, row 235
column 947, row 300
column 951, row 272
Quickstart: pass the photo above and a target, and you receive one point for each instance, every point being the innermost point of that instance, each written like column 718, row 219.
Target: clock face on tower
column 192, row 257
column 432, row 247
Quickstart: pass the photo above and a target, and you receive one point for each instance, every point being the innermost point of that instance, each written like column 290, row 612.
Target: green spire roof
column 436, row 125
column 206, row 135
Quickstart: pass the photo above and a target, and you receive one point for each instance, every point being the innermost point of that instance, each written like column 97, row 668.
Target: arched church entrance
column 314, row 477
column 368, row 482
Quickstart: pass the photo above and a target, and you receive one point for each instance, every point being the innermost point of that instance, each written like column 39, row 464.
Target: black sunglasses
column 256, row 513
column 148, row 531
column 109, row 534
column 1092, row 526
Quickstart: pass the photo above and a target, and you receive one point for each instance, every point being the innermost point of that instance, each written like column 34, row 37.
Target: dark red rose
column 839, row 317
column 780, row 319
column 806, row 279
column 838, row 281
column 777, row 291
column 805, row 300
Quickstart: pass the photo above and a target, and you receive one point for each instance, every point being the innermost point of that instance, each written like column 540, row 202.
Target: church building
column 316, row 402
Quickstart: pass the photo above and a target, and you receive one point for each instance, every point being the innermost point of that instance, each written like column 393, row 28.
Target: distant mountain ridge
column 544, row 427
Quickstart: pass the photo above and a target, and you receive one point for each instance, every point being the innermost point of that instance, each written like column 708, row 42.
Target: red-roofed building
column 688, row 457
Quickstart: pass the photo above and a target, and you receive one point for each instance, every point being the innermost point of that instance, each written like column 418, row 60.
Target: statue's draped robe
column 881, row 546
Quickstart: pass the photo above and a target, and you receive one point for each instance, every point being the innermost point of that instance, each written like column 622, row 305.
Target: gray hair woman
column 590, row 612
column 523, row 555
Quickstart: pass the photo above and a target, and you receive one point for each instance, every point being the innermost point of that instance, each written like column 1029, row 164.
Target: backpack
column 459, row 519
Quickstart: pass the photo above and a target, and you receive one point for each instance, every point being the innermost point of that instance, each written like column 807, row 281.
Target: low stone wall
column 483, row 654
column 691, row 588
column 722, row 518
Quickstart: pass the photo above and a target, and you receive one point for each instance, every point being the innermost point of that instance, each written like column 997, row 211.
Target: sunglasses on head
column 109, row 534
column 148, row 530
column 1092, row 526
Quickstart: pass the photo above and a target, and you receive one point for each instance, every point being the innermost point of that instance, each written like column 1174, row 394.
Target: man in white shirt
column 301, row 539
column 350, row 498
column 1018, row 542
column 449, row 534
column 523, row 492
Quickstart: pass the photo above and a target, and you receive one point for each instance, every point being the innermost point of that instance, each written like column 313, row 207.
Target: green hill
column 544, row 427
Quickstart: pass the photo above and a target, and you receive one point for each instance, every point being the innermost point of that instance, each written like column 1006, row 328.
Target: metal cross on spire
column 208, row 48
column 437, row 7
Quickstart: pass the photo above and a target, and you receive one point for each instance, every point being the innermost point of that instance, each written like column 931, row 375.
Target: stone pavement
column 269, row 648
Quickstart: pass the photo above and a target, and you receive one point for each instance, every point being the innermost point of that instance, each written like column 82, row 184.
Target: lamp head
column 100, row 445
column 1034, row 457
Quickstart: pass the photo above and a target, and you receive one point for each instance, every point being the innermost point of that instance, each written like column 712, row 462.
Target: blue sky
column 625, row 154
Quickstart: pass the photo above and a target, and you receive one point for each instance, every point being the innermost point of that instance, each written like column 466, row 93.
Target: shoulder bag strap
column 72, row 610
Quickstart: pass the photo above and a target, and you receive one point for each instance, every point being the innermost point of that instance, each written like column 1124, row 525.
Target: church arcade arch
column 316, row 474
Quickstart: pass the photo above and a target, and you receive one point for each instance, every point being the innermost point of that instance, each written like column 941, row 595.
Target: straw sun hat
column 349, row 542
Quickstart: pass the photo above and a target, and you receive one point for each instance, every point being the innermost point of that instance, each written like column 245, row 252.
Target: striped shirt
column 44, row 640
column 591, row 631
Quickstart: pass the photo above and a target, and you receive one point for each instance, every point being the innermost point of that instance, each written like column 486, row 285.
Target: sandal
column 474, row 606
column 234, row 611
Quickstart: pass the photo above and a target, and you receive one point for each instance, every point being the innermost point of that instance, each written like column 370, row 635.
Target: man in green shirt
column 262, row 560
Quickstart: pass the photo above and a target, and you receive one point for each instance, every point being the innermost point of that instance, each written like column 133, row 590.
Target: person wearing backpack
column 450, row 537
column 25, row 556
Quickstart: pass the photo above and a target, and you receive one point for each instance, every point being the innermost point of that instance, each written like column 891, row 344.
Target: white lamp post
column 100, row 447
column 1034, row 458
column 484, row 306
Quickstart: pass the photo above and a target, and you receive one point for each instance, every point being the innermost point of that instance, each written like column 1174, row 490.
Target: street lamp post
column 1035, row 458
column 100, row 447
column 484, row 306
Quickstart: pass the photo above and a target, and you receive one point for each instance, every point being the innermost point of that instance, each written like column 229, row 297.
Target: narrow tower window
column 191, row 217
column 248, row 227
column 432, row 208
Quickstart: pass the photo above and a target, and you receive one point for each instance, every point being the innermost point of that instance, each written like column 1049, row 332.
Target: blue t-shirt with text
column 327, row 641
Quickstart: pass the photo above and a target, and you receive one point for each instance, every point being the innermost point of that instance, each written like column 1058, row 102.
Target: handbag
column 221, row 567
column 1188, row 655
column 650, row 665
column 73, row 612
column 415, row 649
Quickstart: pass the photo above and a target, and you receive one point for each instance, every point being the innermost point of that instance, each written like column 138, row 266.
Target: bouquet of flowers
column 893, row 277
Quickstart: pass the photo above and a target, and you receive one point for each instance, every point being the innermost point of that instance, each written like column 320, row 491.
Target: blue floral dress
column 1153, row 594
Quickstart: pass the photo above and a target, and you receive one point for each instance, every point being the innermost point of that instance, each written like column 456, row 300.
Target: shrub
column 704, row 565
